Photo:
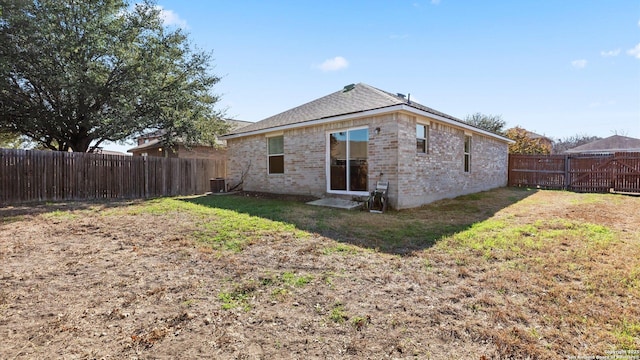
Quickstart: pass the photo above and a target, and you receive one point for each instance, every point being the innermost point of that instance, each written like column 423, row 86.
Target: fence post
column 566, row 172
column 145, row 168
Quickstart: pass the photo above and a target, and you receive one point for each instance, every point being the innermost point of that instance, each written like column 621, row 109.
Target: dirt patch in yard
column 137, row 280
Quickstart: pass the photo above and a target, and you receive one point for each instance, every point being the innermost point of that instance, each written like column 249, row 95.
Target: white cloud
column 579, row 64
column 610, row 53
column 435, row 2
column 335, row 64
column 169, row 18
column 635, row 52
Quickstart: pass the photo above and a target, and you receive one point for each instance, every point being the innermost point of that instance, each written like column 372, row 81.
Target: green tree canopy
column 78, row 73
column 11, row 140
column 525, row 144
column 492, row 123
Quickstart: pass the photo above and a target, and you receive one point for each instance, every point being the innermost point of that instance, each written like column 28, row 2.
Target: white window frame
column 466, row 165
column 269, row 155
column 425, row 138
column 348, row 150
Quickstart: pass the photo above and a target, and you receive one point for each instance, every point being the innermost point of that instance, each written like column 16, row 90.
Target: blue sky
column 558, row 68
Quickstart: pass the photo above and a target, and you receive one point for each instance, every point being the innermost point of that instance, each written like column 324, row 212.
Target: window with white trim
column 276, row 154
column 422, row 138
column 467, row 153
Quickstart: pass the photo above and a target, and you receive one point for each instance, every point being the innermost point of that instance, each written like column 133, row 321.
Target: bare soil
column 96, row 281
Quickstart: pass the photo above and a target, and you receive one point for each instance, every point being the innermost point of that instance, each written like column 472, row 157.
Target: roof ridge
column 385, row 93
column 351, row 99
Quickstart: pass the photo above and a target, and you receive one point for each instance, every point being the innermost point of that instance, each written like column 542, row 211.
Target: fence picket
column 32, row 175
column 619, row 172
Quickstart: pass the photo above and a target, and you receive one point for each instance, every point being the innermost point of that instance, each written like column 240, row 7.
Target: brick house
column 340, row 145
column 150, row 145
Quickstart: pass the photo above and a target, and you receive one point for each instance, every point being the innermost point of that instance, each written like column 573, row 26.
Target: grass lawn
column 508, row 273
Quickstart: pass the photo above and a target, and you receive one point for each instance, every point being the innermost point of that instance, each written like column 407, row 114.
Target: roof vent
column 400, row 95
column 349, row 87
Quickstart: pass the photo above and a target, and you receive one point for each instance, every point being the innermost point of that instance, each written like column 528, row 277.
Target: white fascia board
column 374, row 112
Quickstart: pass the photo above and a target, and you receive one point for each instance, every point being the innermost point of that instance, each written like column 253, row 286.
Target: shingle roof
column 151, row 144
column 615, row 143
column 155, row 135
column 352, row 99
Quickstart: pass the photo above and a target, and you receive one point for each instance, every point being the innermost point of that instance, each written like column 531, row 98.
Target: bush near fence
column 31, row 175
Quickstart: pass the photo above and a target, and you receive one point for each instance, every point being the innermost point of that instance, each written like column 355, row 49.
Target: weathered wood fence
column 30, row 175
column 598, row 173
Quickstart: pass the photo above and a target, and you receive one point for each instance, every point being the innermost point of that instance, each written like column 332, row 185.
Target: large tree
column 492, row 123
column 78, row 73
column 11, row 140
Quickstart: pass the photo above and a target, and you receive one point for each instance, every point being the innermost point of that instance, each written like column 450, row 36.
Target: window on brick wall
column 467, row 153
column 422, row 138
column 276, row 154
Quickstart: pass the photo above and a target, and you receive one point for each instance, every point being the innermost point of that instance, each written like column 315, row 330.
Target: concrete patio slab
column 337, row 203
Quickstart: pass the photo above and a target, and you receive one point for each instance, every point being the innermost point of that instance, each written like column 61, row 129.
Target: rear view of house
column 340, row 145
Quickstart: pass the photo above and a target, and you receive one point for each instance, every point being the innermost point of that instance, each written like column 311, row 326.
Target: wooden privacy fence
column 598, row 173
column 30, row 175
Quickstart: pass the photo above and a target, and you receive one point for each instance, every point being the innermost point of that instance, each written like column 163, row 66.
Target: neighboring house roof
column 352, row 100
column 238, row 124
column 615, row 143
column 153, row 134
column 150, row 145
column 156, row 142
column 533, row 135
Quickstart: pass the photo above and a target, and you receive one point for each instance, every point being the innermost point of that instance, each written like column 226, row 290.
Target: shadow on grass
column 396, row 232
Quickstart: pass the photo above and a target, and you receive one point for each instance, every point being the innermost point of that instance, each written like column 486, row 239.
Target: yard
column 502, row 274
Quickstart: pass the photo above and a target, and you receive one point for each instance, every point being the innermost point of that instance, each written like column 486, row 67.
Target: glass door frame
column 348, row 175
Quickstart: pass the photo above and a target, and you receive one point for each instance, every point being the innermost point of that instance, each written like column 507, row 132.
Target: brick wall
column 305, row 157
column 414, row 179
column 440, row 174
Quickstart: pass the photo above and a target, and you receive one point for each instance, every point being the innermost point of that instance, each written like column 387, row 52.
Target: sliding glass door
column 348, row 160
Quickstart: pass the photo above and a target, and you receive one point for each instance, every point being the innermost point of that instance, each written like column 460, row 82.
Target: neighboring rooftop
column 155, row 141
column 615, row 143
column 351, row 99
column 237, row 124
column 534, row 136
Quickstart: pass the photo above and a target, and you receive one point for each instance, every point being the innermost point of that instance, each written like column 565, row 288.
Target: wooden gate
column 598, row 173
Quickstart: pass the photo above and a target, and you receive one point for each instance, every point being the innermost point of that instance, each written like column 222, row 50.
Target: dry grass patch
column 555, row 284
column 504, row 274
